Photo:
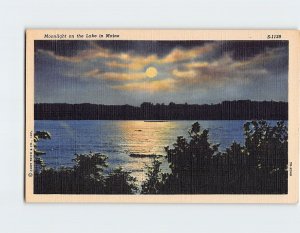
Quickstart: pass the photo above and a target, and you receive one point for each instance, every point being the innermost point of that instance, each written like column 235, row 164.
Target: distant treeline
column 227, row 110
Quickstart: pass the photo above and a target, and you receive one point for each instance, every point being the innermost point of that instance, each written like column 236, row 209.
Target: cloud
column 138, row 62
column 177, row 55
column 184, row 74
column 123, row 76
column 83, row 55
column 198, row 67
column 270, row 60
column 132, row 62
column 114, row 76
column 129, row 60
column 93, row 73
column 149, row 86
column 225, row 70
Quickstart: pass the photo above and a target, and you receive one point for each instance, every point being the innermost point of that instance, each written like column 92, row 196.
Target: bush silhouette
column 267, row 150
column 120, row 182
column 190, row 162
column 38, row 161
column 198, row 167
column 155, row 179
column 85, row 177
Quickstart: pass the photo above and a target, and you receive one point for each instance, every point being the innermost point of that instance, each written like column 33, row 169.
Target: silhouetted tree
column 190, row 161
column 227, row 110
column 267, row 150
column 85, row 177
column 120, row 182
column 198, row 167
column 155, row 179
column 38, row 161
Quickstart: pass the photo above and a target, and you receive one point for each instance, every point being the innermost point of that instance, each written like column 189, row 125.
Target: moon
column 151, row 72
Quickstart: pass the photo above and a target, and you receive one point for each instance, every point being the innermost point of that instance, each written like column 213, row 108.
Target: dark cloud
column 62, row 47
column 73, row 47
column 242, row 50
column 160, row 48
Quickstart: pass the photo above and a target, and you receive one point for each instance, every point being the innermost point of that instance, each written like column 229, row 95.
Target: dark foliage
column 227, row 110
column 120, row 182
column 258, row 167
column 38, row 161
column 85, row 177
column 155, row 179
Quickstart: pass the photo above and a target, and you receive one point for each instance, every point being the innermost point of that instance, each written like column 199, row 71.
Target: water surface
column 119, row 139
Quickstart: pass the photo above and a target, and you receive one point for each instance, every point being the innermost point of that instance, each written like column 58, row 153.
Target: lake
column 119, row 139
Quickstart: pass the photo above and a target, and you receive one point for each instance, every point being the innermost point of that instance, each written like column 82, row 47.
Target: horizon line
column 278, row 101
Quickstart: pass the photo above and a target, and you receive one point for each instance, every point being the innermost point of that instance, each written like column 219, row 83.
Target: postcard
column 162, row 116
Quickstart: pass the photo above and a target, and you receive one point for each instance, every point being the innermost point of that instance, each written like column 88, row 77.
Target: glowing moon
column 151, row 72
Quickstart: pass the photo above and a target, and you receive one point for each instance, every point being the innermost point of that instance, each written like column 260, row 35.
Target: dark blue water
column 118, row 139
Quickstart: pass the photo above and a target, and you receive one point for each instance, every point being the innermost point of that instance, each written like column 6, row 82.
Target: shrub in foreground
column 198, row 167
column 85, row 177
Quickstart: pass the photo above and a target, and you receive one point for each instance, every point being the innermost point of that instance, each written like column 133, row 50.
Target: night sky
column 196, row 72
